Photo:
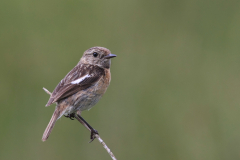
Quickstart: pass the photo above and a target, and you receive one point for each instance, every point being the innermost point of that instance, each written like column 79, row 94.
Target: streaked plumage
column 66, row 88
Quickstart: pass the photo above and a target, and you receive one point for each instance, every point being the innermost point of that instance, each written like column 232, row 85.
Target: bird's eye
column 95, row 54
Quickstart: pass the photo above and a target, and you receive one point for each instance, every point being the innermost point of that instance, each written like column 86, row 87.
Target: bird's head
column 99, row 56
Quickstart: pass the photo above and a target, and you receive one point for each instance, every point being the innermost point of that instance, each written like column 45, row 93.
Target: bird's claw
column 93, row 133
column 71, row 116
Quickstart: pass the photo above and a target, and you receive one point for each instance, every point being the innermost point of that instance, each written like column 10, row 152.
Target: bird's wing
column 79, row 78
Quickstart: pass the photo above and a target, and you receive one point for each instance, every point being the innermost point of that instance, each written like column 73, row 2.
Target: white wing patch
column 80, row 79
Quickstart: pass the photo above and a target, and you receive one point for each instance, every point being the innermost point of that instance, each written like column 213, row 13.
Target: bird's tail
column 51, row 124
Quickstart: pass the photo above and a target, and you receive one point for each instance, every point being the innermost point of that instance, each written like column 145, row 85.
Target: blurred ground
column 175, row 84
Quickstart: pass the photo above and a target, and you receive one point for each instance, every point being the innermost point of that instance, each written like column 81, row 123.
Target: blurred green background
column 175, row 84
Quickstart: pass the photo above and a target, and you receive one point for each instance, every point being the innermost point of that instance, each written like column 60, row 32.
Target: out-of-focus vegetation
column 175, row 84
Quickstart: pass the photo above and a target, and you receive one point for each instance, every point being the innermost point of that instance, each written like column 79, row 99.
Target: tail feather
column 51, row 124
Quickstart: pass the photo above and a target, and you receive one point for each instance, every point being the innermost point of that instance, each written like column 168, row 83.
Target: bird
column 81, row 88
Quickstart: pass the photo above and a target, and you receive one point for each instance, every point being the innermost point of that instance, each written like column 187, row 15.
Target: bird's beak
column 110, row 56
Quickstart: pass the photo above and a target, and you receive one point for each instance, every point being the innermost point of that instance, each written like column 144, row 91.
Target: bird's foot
column 71, row 116
column 93, row 133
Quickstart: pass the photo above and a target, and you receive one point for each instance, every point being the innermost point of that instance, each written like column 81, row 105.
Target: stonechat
column 82, row 87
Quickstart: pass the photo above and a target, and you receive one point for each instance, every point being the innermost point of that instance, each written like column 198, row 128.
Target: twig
column 95, row 135
column 105, row 146
column 47, row 91
column 99, row 139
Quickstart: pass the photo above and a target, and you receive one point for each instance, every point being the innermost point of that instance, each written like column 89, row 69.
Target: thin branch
column 99, row 139
column 82, row 122
column 105, row 146
column 95, row 135
column 47, row 91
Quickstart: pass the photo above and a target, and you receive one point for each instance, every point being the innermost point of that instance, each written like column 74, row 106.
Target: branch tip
column 47, row 91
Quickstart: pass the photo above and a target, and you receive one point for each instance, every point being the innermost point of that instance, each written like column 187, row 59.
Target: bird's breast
column 87, row 98
column 102, row 85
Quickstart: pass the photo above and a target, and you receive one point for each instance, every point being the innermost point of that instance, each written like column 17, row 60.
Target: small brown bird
column 82, row 87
